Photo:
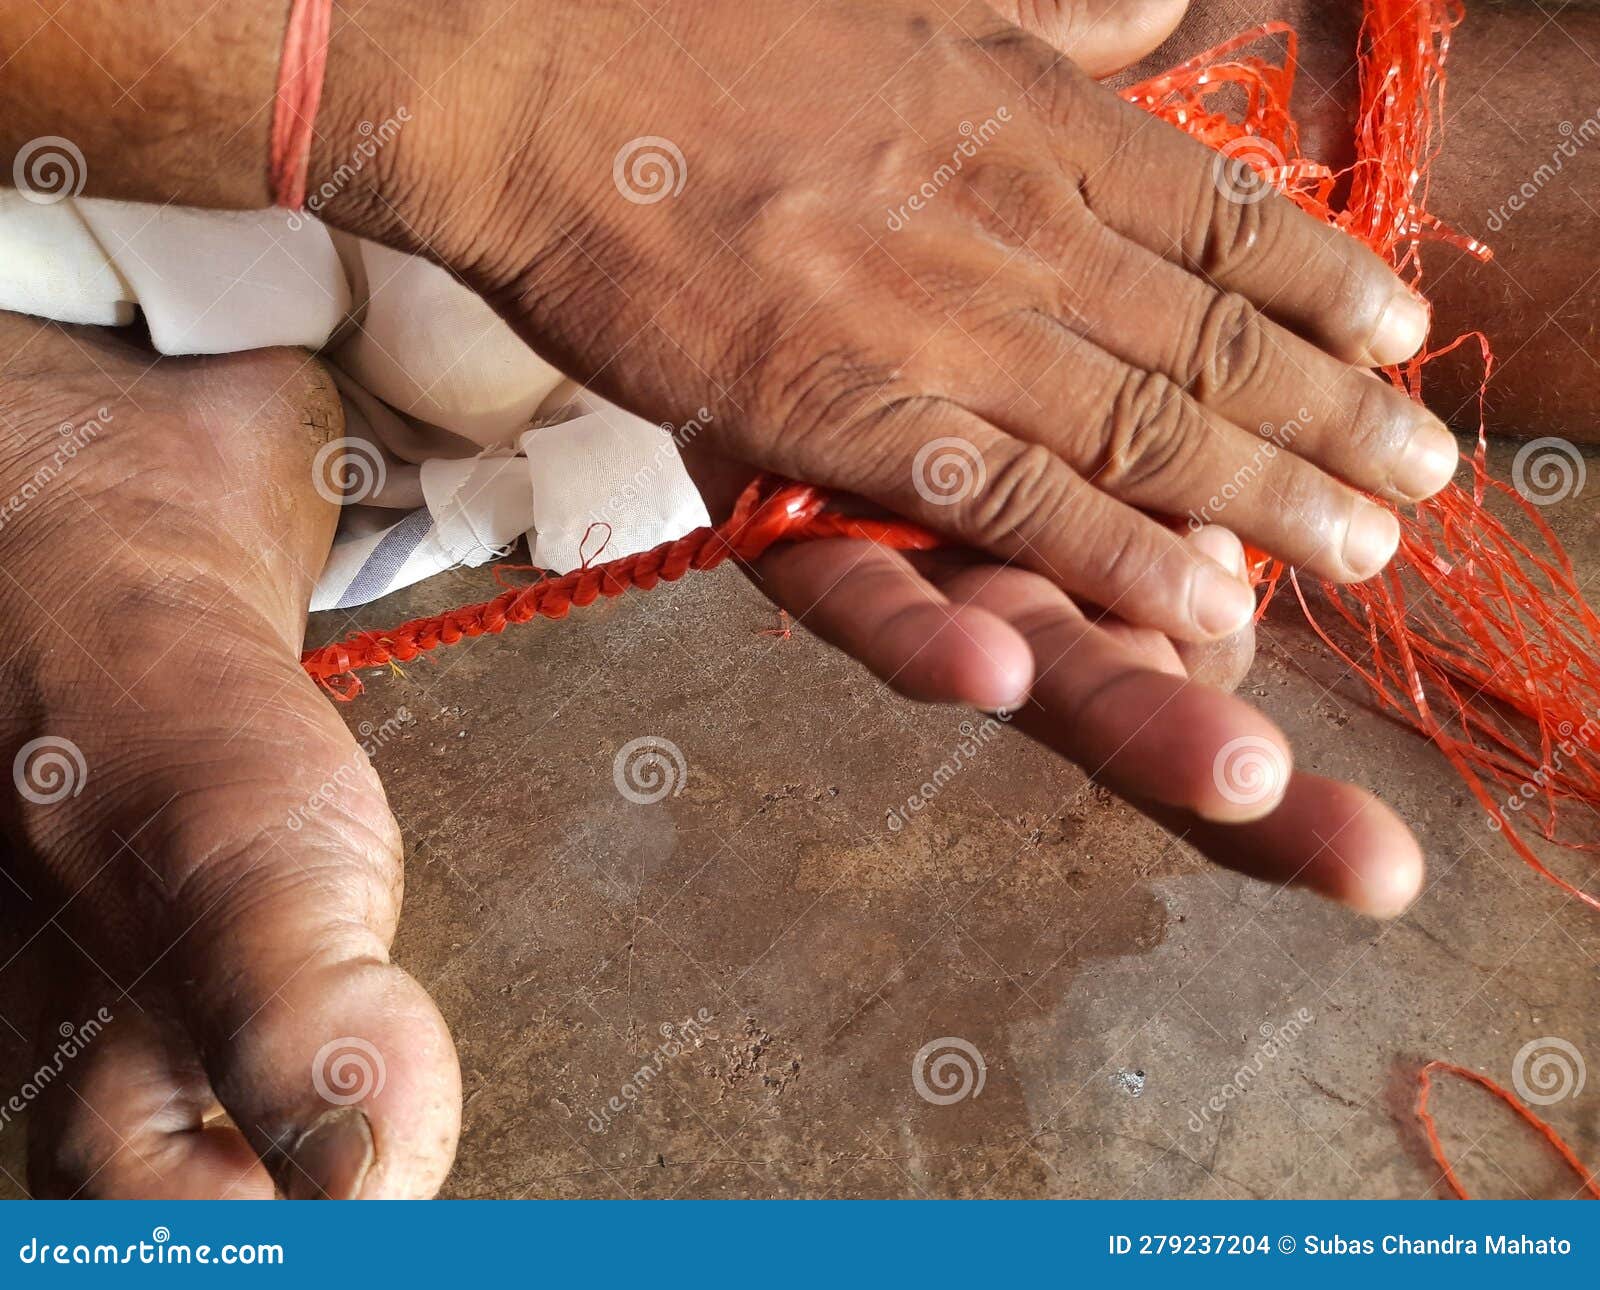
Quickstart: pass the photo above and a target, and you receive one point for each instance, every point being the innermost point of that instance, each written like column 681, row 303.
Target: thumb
column 283, row 878
column 333, row 1062
column 1101, row 36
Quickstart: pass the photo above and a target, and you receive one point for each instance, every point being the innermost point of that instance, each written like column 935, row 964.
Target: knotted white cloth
column 459, row 439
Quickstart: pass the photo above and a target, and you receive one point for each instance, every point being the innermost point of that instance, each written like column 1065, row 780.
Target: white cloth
column 460, row 438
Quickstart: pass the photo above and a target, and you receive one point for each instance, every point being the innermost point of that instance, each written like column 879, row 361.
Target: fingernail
column 1401, row 331
column 1371, row 540
column 331, row 1158
column 1222, row 604
column 1428, row 462
column 1219, row 544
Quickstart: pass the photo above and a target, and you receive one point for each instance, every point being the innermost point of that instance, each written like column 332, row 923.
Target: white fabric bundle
column 459, row 439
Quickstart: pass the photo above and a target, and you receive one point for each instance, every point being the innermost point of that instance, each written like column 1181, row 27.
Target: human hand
column 194, row 816
column 1151, row 721
column 1086, row 318
column 1149, row 718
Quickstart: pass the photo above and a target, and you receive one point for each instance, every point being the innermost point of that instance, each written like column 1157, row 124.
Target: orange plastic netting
column 1478, row 635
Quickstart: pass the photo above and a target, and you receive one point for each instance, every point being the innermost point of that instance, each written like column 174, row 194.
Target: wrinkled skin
column 161, row 582
column 873, row 226
column 163, row 578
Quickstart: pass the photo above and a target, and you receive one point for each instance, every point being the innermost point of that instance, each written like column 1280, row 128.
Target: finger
column 1287, row 827
column 1330, row 837
column 332, row 1061
column 956, row 472
column 1212, row 542
column 1221, row 664
column 1217, row 218
column 133, row 1115
column 872, row 604
column 1100, row 36
column 1137, row 728
column 1138, row 436
column 1231, row 358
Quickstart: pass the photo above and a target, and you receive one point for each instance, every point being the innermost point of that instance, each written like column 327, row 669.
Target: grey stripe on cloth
column 387, row 559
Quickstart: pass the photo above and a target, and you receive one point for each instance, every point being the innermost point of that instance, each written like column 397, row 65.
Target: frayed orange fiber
column 1477, row 637
column 1447, row 1172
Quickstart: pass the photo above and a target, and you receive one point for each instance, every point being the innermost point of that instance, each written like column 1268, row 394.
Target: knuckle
column 1129, row 558
column 1360, row 287
column 1229, row 349
column 833, row 390
column 1229, row 222
column 1014, row 46
column 1379, row 418
column 1021, row 209
column 335, row 846
column 1151, row 430
column 1313, row 506
column 1024, row 490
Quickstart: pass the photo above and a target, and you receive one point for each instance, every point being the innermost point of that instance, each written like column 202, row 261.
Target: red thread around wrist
column 294, row 110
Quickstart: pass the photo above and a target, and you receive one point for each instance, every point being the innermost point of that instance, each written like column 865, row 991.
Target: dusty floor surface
column 752, row 965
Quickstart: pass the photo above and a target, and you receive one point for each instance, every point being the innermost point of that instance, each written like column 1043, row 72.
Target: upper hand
column 912, row 251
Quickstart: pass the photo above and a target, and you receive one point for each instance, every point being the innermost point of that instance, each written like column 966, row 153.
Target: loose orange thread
column 1425, row 1088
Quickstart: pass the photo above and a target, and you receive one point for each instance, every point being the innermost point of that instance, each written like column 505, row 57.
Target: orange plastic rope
column 1478, row 638
column 1425, row 1088
column 769, row 511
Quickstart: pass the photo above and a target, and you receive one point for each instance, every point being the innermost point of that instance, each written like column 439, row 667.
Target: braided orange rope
column 769, row 511
column 1425, row 1087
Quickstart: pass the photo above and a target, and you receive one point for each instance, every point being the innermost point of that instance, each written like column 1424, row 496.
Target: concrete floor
column 1112, row 982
